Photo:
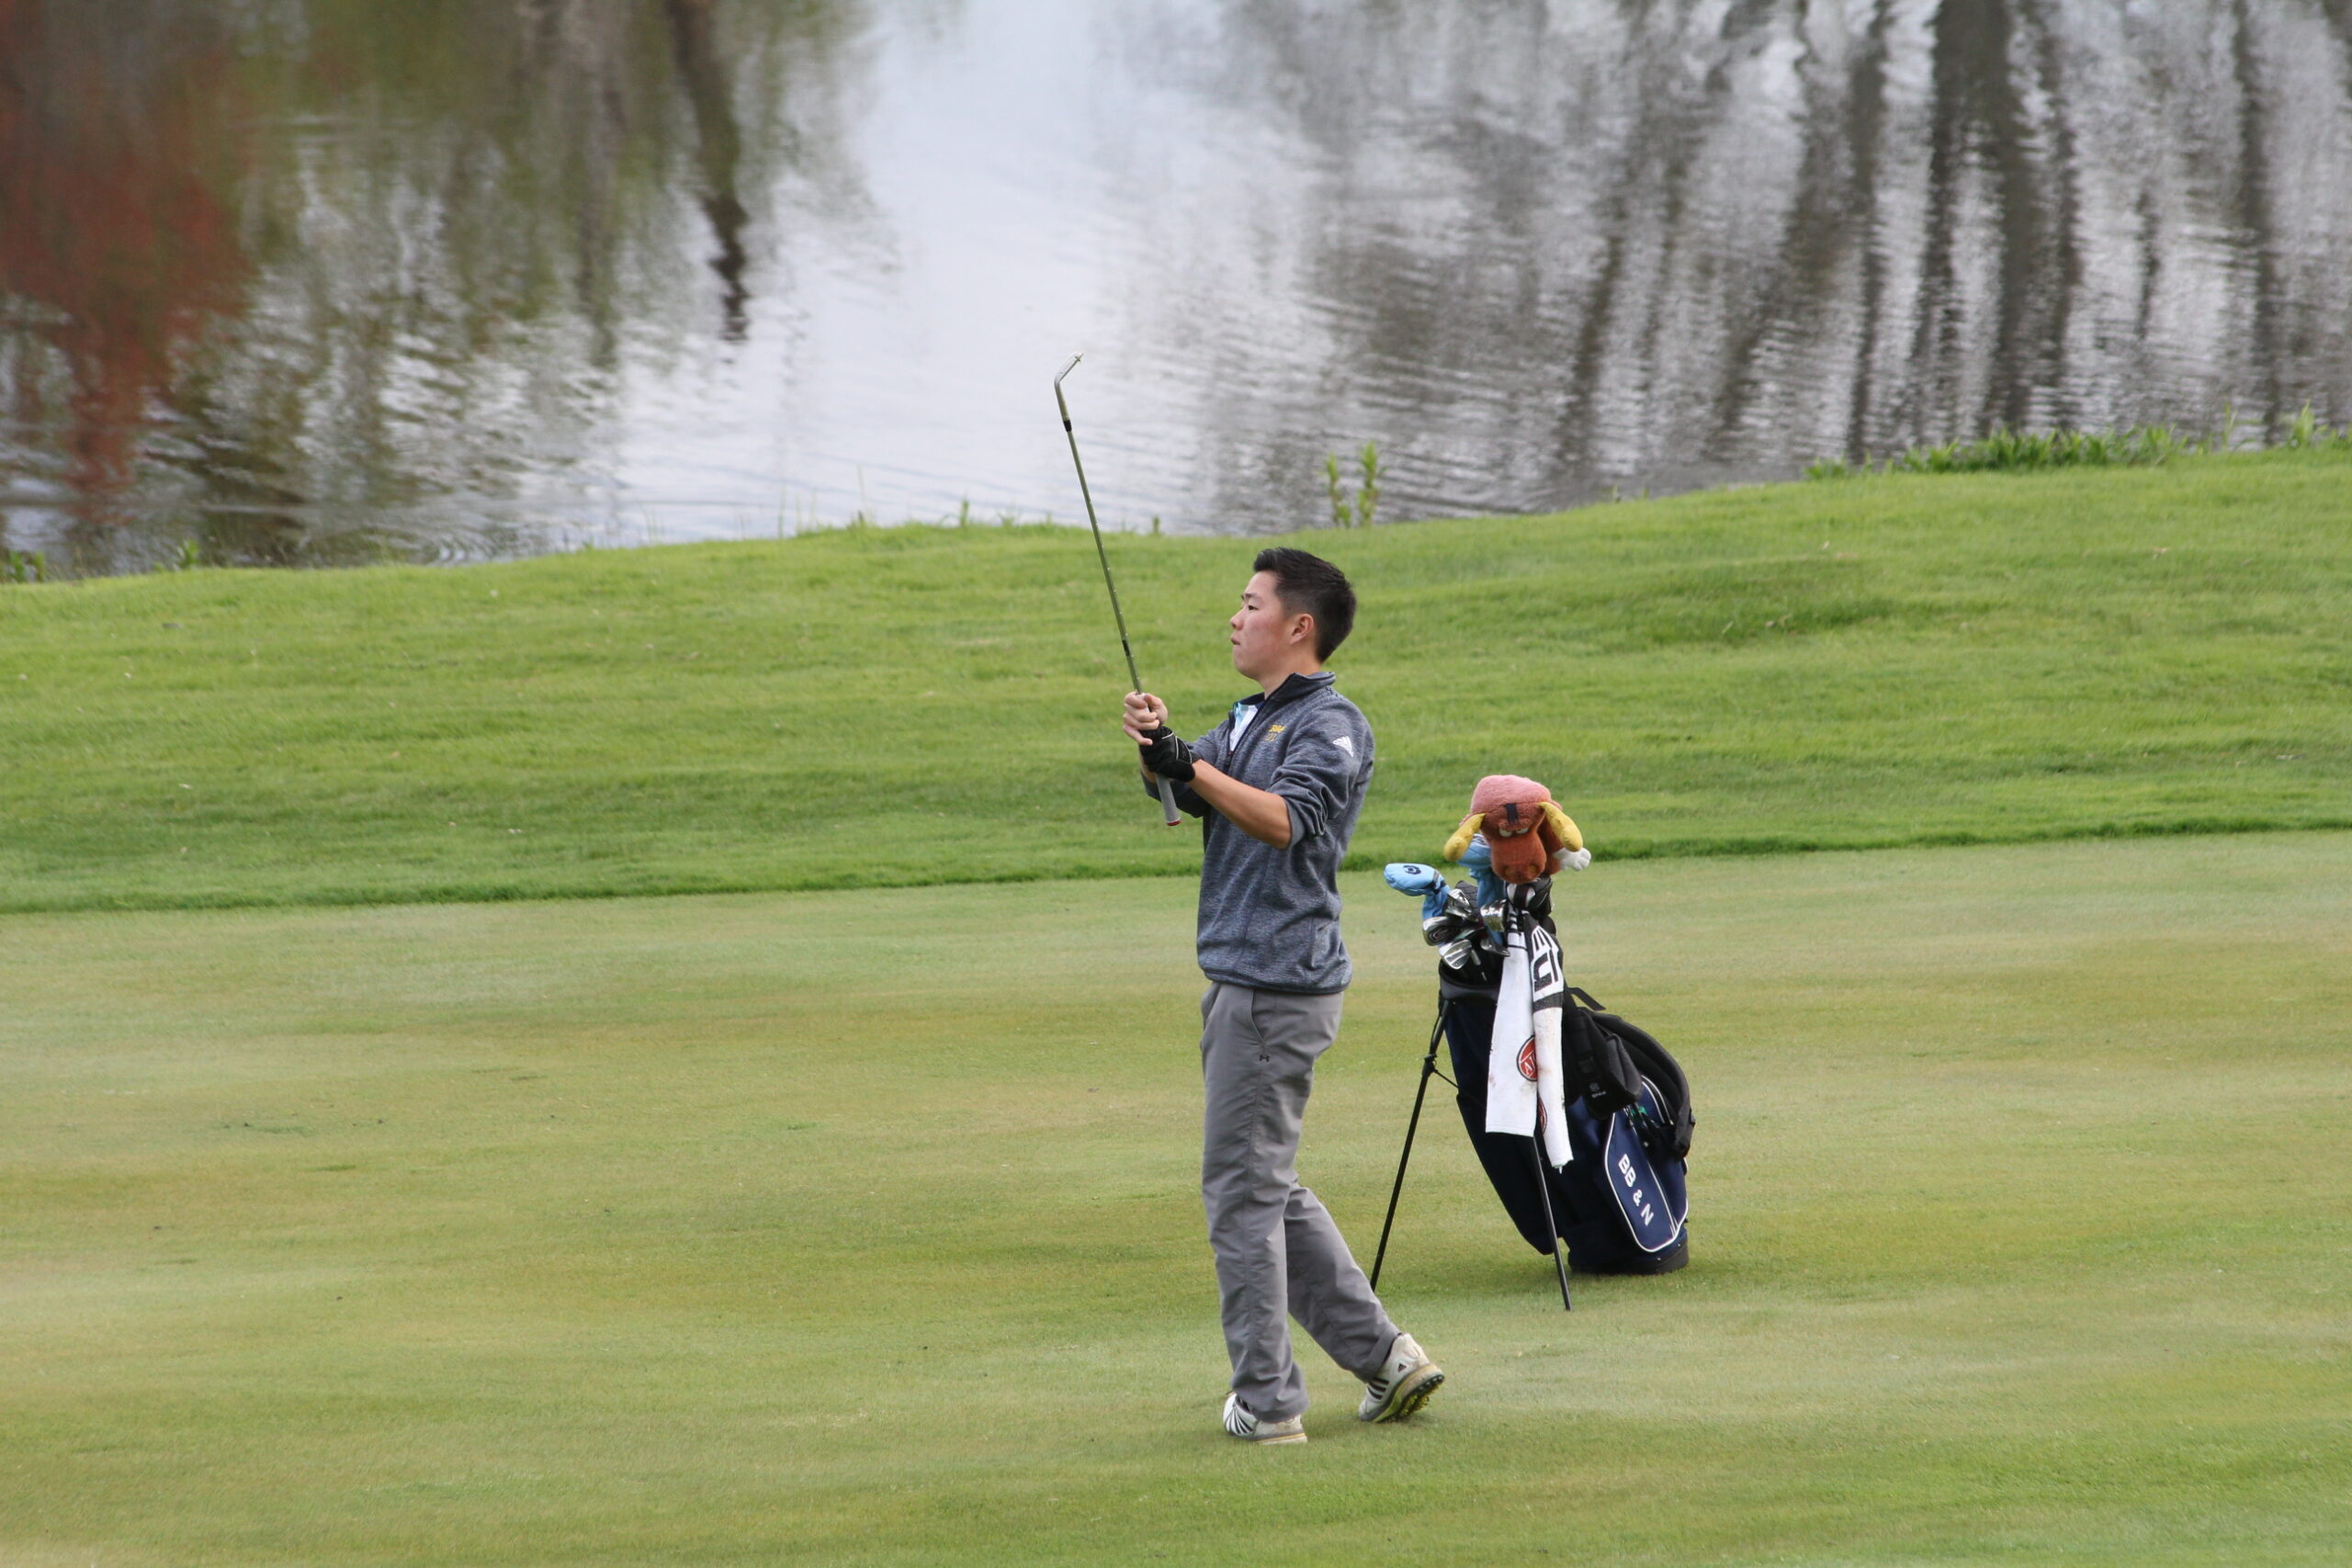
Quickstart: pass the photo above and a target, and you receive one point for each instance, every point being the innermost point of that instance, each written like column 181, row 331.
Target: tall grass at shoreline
column 1965, row 659
column 2004, row 450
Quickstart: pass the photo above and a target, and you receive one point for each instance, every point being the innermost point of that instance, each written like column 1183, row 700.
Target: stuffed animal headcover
column 1528, row 835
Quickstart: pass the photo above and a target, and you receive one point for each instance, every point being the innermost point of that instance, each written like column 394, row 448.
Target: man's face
column 1263, row 634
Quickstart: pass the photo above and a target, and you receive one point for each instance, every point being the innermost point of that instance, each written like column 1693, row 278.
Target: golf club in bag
column 1167, row 790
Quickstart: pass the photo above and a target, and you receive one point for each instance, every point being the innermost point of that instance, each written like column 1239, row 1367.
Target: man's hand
column 1166, row 755
column 1260, row 813
column 1144, row 719
column 1142, row 715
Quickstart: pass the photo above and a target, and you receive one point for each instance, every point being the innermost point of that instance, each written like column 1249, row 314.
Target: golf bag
column 1620, row 1202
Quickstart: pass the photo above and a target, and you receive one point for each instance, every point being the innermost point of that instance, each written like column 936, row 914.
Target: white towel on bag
column 1524, row 1086
column 1510, row 1056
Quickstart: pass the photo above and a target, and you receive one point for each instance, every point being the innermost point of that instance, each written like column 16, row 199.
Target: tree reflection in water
column 1547, row 250
column 314, row 280
column 118, row 142
column 280, row 277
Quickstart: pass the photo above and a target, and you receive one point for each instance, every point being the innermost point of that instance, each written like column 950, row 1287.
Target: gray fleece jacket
column 1269, row 918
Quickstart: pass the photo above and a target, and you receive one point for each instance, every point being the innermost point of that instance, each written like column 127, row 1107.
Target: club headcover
column 1412, row 877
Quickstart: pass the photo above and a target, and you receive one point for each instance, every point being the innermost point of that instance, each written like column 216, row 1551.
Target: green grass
column 2003, row 449
column 1885, row 661
column 859, row 1228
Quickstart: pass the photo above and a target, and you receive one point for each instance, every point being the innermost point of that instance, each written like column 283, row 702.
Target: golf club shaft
column 1167, row 790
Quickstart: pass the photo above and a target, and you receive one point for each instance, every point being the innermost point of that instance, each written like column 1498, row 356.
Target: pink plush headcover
column 1498, row 790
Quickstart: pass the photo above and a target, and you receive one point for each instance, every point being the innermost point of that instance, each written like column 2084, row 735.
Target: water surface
column 314, row 281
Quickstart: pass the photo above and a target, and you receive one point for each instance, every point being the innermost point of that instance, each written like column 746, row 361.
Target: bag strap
column 1586, row 997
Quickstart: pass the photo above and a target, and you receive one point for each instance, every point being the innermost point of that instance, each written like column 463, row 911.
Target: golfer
column 1278, row 786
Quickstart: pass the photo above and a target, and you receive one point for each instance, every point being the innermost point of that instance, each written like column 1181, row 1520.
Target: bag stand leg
column 1543, row 1186
column 1429, row 1067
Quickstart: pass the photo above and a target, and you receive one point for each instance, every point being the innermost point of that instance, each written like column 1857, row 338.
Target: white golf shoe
column 1403, row 1385
column 1249, row 1428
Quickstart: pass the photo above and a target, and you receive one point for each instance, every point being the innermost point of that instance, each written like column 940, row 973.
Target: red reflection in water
column 117, row 139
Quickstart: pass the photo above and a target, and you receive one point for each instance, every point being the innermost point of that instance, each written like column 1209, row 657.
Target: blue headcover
column 1425, row 882
column 1480, row 858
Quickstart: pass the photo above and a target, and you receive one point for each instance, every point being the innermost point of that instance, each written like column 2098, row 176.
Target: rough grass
column 1891, row 660
column 859, row 1229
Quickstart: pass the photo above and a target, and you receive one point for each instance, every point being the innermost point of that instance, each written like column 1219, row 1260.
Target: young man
column 1278, row 786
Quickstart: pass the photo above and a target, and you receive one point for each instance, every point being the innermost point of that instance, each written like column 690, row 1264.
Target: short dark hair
column 1311, row 585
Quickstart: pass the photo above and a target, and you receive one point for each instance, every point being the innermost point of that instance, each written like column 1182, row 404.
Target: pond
column 310, row 282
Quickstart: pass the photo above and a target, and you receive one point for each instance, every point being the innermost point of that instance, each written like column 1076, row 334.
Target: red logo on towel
column 1527, row 1060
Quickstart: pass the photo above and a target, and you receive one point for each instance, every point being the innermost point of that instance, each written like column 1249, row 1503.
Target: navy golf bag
column 1620, row 1203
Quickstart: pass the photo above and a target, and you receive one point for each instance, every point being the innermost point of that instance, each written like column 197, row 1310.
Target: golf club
column 1167, row 790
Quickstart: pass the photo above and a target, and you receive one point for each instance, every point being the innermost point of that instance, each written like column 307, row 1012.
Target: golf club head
column 1059, row 402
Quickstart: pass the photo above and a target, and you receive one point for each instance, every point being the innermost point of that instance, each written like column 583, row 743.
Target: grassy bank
column 1881, row 661
column 687, row 1230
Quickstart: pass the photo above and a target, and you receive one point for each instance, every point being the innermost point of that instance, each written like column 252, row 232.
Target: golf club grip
column 1168, row 803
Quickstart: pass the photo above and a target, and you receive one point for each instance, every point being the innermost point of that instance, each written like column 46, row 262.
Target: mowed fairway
column 859, row 1228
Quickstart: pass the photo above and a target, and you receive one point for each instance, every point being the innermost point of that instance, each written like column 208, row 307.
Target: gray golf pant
column 1276, row 1247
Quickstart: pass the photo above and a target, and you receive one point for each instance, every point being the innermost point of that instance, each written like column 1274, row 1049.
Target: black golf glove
column 1166, row 755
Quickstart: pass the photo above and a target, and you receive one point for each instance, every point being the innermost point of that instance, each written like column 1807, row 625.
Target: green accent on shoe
column 1404, row 1383
column 1410, row 1395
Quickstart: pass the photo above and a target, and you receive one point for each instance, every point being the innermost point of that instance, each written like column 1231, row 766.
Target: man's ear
column 1301, row 627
